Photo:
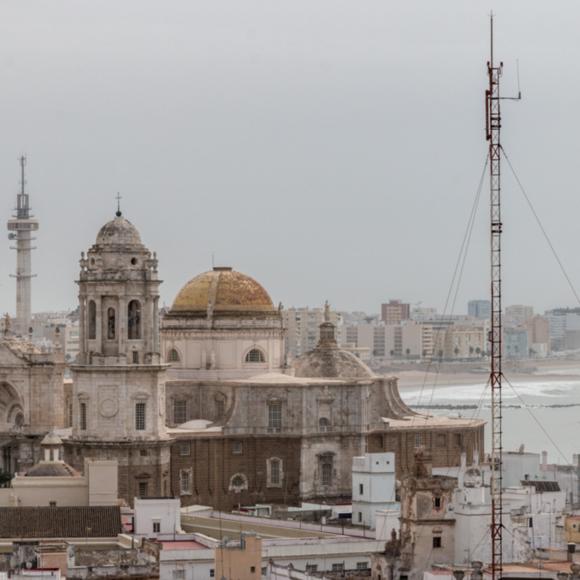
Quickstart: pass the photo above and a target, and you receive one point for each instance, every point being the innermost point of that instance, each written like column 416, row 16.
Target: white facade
column 154, row 516
column 373, row 487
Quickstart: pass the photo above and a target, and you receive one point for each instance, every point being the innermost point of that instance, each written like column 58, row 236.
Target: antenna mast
column 493, row 128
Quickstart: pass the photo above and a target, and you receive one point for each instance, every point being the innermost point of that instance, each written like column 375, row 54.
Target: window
column 212, row 573
column 83, row 416
column 252, row 569
column 437, row 503
column 140, row 416
column 173, row 355
column 238, row 483
column 179, row 411
column 70, row 414
column 338, row 567
column 143, row 489
column 111, row 324
column 275, row 472
column 275, row 416
column 92, row 320
column 134, row 320
column 437, row 542
column 326, row 467
column 361, row 488
column 143, row 452
column 362, row 566
column 360, row 516
column 419, row 440
column 458, row 439
column 255, row 356
column 323, row 425
column 52, row 504
column 185, row 481
column 178, row 574
column 237, row 447
column 184, row 448
column 135, row 357
column 311, row 568
column 156, row 527
column 441, row 440
column 220, row 408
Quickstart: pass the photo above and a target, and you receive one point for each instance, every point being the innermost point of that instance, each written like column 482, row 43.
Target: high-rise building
column 479, row 309
column 518, row 314
column 395, row 311
column 21, row 227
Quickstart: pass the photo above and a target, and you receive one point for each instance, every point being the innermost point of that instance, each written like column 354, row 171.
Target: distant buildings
column 394, row 312
column 479, row 309
column 518, row 315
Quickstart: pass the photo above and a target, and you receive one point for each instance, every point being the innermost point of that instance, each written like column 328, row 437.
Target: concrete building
column 373, row 487
column 538, row 336
column 239, row 558
column 156, row 516
column 518, row 315
column 515, row 343
column 51, row 482
column 460, row 341
column 480, row 309
column 21, row 227
column 394, row 312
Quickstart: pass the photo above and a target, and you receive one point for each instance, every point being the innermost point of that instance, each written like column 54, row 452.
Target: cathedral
column 200, row 403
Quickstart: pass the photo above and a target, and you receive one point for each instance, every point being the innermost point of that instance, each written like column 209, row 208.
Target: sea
column 540, row 413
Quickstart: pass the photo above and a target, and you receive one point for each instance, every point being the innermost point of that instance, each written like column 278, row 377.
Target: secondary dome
column 224, row 291
column 119, row 231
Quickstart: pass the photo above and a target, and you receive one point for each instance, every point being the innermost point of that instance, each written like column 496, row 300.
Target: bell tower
column 118, row 378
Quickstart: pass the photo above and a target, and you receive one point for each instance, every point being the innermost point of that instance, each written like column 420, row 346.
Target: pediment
column 11, row 357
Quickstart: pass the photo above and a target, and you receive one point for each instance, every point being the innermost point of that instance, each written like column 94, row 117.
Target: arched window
column 111, row 324
column 255, row 356
column 134, row 320
column 173, row 355
column 323, row 425
column 92, row 320
column 83, row 417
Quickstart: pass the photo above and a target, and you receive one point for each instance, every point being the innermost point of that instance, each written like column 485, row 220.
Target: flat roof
column 221, row 528
column 431, row 422
column 182, row 545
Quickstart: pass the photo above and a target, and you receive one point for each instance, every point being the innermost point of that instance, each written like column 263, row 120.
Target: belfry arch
column 11, row 408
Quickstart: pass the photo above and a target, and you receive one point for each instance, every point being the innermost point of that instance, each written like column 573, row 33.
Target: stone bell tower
column 118, row 378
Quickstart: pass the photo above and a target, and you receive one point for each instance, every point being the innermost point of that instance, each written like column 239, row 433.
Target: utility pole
column 21, row 228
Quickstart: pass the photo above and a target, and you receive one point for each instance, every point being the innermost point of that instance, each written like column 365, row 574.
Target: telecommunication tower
column 493, row 134
column 21, row 227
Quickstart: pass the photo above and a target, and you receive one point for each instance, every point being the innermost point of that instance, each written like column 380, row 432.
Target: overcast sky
column 329, row 148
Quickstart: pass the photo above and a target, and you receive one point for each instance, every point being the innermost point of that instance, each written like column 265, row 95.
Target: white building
column 373, row 487
column 154, row 516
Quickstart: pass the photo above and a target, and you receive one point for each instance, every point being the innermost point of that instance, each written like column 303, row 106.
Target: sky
column 331, row 149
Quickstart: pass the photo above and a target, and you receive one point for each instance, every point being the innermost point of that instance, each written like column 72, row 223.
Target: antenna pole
column 493, row 129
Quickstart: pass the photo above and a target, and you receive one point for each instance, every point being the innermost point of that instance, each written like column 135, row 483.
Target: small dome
column 51, row 439
column 118, row 231
column 226, row 291
column 331, row 363
column 51, row 469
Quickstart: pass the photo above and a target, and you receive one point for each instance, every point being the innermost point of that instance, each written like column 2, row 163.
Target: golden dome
column 226, row 291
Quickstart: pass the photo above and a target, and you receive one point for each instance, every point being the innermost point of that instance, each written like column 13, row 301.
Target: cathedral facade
column 204, row 406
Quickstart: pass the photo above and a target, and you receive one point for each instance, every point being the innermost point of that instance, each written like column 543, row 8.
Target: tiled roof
column 541, row 485
column 60, row 522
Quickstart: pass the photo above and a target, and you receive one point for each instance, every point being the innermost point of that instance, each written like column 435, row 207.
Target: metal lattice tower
column 493, row 129
column 21, row 228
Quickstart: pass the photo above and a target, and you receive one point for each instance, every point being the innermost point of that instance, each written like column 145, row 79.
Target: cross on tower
column 118, row 198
